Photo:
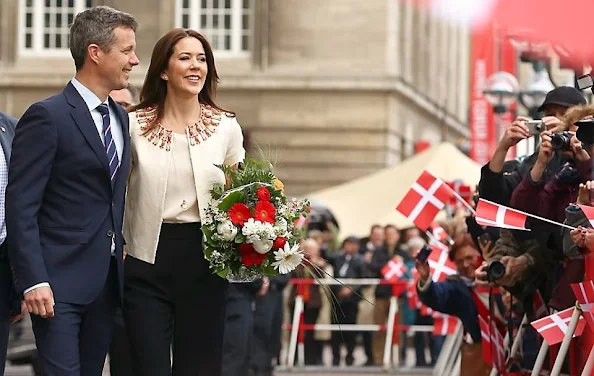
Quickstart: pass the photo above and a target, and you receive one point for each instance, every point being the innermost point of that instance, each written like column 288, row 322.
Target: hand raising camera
column 516, row 132
column 579, row 153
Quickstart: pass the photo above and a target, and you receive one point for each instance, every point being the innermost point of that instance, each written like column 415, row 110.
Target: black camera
column 585, row 132
column 495, row 271
column 561, row 141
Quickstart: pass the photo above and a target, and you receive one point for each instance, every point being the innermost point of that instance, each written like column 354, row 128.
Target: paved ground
column 409, row 369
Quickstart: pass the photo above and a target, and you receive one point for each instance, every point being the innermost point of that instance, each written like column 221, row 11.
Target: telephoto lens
column 560, row 141
column 495, row 271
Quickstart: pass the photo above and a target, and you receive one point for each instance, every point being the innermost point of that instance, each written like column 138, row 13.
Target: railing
column 298, row 327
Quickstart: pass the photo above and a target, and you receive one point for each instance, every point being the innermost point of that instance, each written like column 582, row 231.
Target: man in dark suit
column 9, row 300
column 65, row 199
column 349, row 264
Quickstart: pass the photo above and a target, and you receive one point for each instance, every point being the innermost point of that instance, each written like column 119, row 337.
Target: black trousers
column 175, row 302
column 120, row 361
column 5, row 305
column 347, row 314
column 268, row 322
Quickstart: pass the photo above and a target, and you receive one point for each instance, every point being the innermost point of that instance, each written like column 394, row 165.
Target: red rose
column 249, row 256
column 239, row 213
column 263, row 194
column 264, row 212
column 279, row 243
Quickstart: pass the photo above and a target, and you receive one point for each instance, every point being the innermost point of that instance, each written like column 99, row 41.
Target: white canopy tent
column 360, row 203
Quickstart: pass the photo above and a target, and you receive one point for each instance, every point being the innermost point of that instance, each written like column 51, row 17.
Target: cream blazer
column 215, row 139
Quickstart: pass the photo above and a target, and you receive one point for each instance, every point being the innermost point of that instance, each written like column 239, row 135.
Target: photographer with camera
column 549, row 199
column 457, row 296
column 496, row 184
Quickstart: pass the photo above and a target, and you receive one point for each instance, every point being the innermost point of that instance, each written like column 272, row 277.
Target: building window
column 227, row 24
column 44, row 25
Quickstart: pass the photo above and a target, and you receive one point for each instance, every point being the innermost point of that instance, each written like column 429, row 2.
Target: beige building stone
column 336, row 88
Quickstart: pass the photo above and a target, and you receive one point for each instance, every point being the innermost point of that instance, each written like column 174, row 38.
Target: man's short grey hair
column 415, row 243
column 96, row 26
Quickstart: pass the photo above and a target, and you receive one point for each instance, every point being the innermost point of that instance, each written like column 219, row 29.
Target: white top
column 181, row 201
column 216, row 139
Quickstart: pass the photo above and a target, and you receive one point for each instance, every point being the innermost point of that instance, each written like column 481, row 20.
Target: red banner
column 486, row 46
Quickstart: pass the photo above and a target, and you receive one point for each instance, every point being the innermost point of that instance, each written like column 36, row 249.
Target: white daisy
column 287, row 258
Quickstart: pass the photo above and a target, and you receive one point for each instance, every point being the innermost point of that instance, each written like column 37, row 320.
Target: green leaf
column 239, row 238
column 232, row 198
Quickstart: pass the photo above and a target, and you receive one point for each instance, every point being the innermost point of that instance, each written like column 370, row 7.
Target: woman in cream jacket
column 178, row 136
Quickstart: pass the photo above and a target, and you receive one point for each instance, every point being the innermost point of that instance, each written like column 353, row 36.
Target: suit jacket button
column 109, row 234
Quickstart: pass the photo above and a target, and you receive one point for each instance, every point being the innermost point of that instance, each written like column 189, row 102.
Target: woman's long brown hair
column 154, row 89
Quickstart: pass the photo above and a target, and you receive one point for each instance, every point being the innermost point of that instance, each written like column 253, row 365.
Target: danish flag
column 424, row 200
column 584, row 293
column 588, row 212
column 540, row 308
column 492, row 340
column 440, row 265
column 491, row 214
column 413, row 298
column 439, row 233
column 553, row 328
column 464, row 191
column 444, row 324
column 393, row 270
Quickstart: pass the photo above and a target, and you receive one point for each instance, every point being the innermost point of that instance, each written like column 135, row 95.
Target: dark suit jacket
column 61, row 209
column 7, row 126
column 354, row 270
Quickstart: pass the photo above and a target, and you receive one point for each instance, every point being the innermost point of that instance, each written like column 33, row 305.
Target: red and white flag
column 440, row 264
column 393, row 270
column 439, row 233
column 413, row 298
column 486, row 341
column 492, row 344
column 444, row 324
column 540, row 308
column 584, row 293
column 491, row 214
column 553, row 328
column 588, row 212
column 463, row 190
column 424, row 200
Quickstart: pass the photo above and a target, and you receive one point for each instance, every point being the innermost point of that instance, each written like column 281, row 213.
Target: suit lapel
column 82, row 117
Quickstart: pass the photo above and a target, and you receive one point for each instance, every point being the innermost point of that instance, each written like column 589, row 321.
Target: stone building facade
column 336, row 88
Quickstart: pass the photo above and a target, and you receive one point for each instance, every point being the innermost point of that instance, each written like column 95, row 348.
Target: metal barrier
column 298, row 327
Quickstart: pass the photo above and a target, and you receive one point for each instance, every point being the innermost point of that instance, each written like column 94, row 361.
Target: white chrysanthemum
column 227, row 230
column 255, row 230
column 287, row 258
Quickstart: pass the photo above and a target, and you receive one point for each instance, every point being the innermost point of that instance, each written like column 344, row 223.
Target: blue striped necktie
column 110, row 148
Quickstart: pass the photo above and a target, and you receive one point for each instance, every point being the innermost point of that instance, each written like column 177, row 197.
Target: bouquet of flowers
column 249, row 230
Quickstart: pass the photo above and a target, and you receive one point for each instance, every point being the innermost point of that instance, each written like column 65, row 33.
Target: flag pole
column 575, row 317
column 463, row 201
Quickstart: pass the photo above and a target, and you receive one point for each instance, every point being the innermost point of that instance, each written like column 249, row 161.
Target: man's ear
column 93, row 52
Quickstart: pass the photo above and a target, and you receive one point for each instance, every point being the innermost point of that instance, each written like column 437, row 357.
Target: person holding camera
column 458, row 297
column 549, row 199
column 496, row 183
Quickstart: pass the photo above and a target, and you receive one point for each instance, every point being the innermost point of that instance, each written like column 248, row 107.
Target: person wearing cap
column 497, row 186
column 348, row 264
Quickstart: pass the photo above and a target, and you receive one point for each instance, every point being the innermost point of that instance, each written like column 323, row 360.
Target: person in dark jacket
column 10, row 301
column 239, row 326
column 268, row 321
column 349, row 264
column 374, row 263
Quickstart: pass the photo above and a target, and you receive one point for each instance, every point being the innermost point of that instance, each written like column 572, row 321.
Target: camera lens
column 560, row 141
column 495, row 271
